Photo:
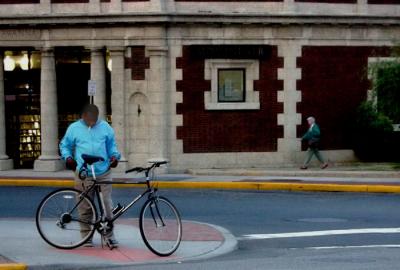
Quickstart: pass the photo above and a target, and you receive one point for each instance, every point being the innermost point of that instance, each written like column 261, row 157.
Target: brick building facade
column 201, row 83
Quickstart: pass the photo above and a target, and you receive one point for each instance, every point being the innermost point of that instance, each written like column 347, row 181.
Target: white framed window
column 232, row 84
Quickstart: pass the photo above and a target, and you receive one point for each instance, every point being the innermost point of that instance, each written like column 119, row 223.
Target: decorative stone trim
column 252, row 99
column 290, row 96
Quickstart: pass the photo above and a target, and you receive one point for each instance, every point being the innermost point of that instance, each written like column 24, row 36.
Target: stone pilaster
column 289, row 119
column 362, row 6
column 45, row 6
column 118, row 103
column 49, row 160
column 289, row 5
column 159, row 95
column 94, row 6
column 98, row 74
column 5, row 162
column 116, row 6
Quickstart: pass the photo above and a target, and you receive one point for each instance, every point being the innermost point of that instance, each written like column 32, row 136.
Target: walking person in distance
column 313, row 138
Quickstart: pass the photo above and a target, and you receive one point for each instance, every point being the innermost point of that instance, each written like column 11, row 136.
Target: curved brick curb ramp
column 21, row 243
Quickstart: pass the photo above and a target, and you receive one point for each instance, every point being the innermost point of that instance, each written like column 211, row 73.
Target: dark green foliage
column 373, row 136
column 387, row 87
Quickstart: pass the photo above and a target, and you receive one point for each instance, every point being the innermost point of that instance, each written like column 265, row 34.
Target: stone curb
column 295, row 173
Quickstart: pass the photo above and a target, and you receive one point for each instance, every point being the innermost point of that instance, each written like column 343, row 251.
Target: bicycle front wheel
column 160, row 226
column 65, row 218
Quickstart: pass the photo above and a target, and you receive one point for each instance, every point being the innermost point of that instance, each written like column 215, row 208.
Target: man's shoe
column 303, row 167
column 89, row 243
column 111, row 243
column 324, row 166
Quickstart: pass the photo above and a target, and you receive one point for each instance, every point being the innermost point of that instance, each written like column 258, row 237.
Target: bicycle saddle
column 91, row 159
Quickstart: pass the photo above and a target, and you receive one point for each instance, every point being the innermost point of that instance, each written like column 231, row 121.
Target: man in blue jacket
column 92, row 136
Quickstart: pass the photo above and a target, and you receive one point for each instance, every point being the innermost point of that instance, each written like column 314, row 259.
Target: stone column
column 159, row 5
column 49, row 160
column 118, row 102
column 158, row 93
column 289, row 145
column 116, row 6
column 98, row 74
column 45, row 6
column 362, row 7
column 5, row 162
column 289, row 5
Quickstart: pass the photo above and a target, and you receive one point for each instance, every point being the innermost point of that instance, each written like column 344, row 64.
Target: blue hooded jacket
column 98, row 140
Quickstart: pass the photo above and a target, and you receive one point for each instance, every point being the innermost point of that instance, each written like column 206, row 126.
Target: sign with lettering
column 91, row 88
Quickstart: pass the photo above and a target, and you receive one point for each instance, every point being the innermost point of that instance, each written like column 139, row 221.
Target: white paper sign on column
column 91, row 88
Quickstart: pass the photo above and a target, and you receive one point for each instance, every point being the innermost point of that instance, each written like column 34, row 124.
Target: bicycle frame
column 100, row 200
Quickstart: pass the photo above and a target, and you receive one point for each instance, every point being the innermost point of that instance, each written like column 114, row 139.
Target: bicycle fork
column 156, row 215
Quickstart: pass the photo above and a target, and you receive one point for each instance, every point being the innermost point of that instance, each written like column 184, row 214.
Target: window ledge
column 233, row 106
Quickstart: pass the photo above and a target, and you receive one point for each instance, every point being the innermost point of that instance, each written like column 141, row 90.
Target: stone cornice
column 188, row 18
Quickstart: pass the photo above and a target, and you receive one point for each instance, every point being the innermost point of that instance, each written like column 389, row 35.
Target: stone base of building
column 181, row 163
column 48, row 165
column 6, row 164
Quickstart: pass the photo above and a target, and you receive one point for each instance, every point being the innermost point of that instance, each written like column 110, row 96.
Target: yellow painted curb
column 36, row 182
column 13, row 266
column 328, row 187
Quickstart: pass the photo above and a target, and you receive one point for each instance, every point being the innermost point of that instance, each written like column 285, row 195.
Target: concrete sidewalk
column 21, row 243
column 362, row 177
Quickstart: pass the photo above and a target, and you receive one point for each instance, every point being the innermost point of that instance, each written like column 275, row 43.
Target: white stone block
column 281, row 119
column 177, row 74
column 177, row 120
column 176, row 147
column 177, row 97
column 298, row 120
column 297, row 96
column 281, row 96
column 48, row 165
column 281, row 73
column 6, row 164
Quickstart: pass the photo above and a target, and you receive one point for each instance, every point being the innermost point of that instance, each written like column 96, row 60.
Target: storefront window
column 22, row 103
column 231, row 85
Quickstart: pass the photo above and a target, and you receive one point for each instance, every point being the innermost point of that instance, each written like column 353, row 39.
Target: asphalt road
column 267, row 214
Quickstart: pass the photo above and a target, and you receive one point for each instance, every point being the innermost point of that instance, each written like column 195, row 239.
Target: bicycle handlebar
column 136, row 169
column 141, row 169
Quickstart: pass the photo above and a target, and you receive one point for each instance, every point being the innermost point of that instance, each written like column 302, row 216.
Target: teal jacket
column 313, row 133
column 98, row 140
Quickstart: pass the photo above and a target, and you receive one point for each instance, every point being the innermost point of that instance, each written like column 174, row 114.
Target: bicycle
column 59, row 222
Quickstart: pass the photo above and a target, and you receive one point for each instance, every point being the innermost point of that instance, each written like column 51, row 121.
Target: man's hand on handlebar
column 113, row 162
column 71, row 164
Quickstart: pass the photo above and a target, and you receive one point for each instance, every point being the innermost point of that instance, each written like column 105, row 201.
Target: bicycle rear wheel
column 65, row 218
column 160, row 226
